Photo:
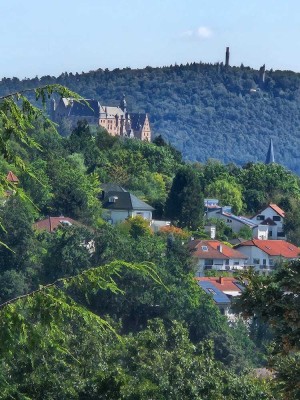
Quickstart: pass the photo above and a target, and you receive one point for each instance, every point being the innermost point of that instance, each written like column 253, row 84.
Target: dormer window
column 113, row 199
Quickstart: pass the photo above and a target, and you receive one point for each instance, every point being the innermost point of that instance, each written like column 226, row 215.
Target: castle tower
column 227, row 57
column 270, row 154
column 123, row 104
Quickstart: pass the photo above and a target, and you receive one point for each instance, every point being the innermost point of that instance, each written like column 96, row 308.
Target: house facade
column 236, row 223
column 116, row 120
column 264, row 255
column 214, row 255
column 272, row 217
column 120, row 205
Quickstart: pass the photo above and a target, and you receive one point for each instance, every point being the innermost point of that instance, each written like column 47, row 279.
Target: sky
column 40, row 38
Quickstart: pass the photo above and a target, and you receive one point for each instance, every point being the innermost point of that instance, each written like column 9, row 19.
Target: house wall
column 220, row 265
column 260, row 232
column 261, row 261
column 145, row 214
column 276, row 231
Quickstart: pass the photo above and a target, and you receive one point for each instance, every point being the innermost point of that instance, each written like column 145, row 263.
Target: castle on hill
column 116, row 120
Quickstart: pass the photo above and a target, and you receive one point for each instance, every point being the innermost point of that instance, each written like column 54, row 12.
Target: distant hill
column 205, row 110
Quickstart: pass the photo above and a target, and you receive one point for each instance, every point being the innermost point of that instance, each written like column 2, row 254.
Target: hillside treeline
column 204, row 110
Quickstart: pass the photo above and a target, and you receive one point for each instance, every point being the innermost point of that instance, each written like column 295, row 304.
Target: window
column 271, row 262
column 211, row 291
column 260, row 217
column 204, row 248
column 236, row 263
column 256, row 261
column 276, row 218
column 264, row 261
column 270, row 233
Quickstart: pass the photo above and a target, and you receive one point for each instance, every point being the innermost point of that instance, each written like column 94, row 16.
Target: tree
column 228, row 192
column 275, row 300
column 185, row 203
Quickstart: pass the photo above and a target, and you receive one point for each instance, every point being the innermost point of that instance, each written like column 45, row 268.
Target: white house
column 272, row 217
column 263, row 255
column 236, row 223
column 212, row 254
column 122, row 205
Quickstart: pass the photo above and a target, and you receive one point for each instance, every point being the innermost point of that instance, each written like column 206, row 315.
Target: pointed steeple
column 270, row 154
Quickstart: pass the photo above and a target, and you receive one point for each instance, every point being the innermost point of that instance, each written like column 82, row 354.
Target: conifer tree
column 185, row 203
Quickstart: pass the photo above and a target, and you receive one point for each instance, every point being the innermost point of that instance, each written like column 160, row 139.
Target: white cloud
column 203, row 32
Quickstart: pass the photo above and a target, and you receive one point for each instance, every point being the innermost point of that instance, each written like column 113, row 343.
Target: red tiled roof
column 11, row 177
column 51, row 223
column 225, row 284
column 274, row 247
column 277, row 209
column 215, row 250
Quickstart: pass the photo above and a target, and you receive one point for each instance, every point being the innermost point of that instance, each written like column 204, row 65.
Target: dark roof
column 268, row 221
column 137, row 120
column 112, row 187
column 124, row 201
column 217, row 295
column 91, row 109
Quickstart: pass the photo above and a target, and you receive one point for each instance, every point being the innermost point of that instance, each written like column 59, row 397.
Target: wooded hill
column 204, row 110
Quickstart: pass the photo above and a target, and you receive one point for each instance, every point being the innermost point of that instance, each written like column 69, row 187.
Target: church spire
column 270, row 154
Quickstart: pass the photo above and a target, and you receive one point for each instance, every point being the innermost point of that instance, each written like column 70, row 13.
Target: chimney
column 227, row 57
column 220, row 248
column 221, row 280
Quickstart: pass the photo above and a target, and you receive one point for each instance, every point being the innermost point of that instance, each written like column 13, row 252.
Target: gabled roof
column 137, row 120
column 224, row 284
column 112, row 187
column 124, row 201
column 218, row 296
column 213, row 249
column 277, row 209
column 274, row 207
column 50, row 224
column 268, row 221
column 11, row 177
column 273, row 247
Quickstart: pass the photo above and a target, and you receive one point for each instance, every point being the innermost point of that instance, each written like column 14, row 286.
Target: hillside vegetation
column 204, row 110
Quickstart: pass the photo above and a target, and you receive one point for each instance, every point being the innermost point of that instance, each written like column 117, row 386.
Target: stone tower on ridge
column 227, row 57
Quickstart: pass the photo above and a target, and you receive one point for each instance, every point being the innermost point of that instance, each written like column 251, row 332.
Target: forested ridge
column 204, row 110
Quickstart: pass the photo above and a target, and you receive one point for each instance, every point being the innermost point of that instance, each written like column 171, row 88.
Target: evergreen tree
column 185, row 203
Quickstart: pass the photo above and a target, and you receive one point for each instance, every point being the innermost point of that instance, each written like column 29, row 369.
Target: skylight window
column 204, row 248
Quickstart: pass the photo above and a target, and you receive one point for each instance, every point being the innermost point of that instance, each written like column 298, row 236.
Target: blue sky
column 50, row 37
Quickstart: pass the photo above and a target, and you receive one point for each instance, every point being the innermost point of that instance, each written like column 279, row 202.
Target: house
column 120, row 205
column 236, row 223
column 212, row 254
column 12, row 178
column 273, row 218
column 222, row 290
column 50, row 224
column 263, row 255
column 116, row 120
